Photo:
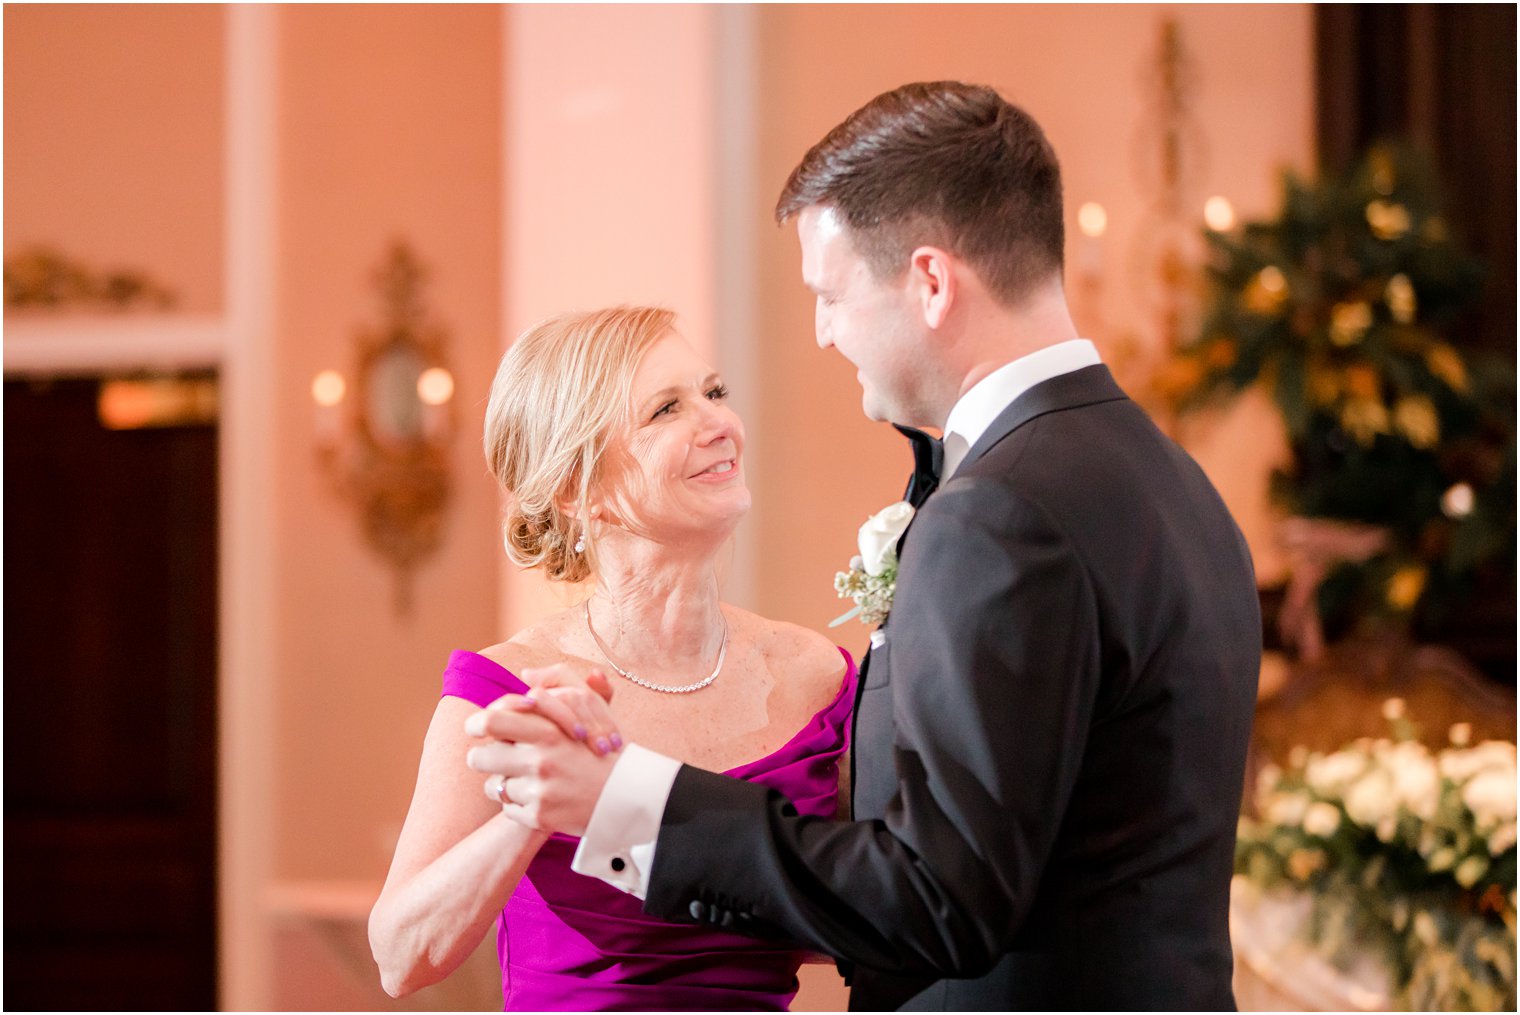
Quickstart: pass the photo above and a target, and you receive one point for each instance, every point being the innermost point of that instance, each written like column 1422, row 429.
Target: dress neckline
column 850, row 674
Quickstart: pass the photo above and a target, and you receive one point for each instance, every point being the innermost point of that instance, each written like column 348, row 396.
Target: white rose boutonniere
column 872, row 577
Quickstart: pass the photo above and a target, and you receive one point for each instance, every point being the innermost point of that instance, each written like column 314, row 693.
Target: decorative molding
column 43, row 279
column 85, row 344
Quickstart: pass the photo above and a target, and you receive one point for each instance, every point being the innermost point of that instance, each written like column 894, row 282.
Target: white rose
column 1416, row 782
column 1459, row 765
column 1328, row 775
column 1370, row 798
column 1266, row 781
column 1322, row 819
column 1287, row 810
column 1491, row 796
column 880, row 533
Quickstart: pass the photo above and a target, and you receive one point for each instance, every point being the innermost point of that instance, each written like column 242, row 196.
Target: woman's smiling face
column 678, row 469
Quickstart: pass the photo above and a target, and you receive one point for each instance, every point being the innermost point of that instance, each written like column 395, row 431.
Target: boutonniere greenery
column 872, row 577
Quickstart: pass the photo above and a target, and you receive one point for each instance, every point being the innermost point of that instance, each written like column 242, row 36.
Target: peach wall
column 113, row 144
column 1078, row 70
column 389, row 127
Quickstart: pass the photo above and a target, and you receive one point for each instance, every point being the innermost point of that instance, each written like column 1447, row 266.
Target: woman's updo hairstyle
column 560, row 392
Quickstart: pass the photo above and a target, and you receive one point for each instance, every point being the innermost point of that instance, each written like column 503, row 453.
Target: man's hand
column 540, row 771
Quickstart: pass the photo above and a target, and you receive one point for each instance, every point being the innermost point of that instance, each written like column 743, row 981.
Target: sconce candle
column 327, row 391
column 388, row 454
column 1092, row 220
column 435, row 387
column 1219, row 214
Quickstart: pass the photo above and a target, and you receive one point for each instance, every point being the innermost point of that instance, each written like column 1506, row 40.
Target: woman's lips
column 719, row 471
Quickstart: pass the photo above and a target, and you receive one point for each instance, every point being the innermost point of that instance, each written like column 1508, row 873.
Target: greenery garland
column 1345, row 309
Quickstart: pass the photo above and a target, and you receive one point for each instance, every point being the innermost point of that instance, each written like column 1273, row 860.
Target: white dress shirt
column 621, row 837
column 977, row 409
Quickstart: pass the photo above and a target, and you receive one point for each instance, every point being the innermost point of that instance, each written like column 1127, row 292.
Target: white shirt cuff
column 619, row 843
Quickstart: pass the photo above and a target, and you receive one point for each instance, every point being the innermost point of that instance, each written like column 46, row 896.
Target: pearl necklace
column 667, row 688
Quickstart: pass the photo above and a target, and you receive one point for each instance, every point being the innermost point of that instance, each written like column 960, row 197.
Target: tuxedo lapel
column 1087, row 386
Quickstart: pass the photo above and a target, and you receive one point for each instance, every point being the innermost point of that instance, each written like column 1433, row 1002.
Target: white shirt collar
column 978, row 408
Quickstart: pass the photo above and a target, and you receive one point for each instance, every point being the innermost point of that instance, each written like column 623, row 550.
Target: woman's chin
column 723, row 513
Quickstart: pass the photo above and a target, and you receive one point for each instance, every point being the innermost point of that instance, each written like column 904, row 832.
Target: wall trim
column 247, row 636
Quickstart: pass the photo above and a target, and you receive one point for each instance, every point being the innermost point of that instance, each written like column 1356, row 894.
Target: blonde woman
column 625, row 469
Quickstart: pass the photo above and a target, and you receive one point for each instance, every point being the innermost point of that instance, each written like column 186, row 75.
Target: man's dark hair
column 946, row 163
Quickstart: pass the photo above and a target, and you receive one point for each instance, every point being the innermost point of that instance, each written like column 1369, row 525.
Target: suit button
column 697, row 910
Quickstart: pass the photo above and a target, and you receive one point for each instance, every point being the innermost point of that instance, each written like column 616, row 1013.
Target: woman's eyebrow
column 675, row 389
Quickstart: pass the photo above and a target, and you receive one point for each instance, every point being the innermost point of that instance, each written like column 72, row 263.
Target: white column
column 245, row 707
column 618, row 157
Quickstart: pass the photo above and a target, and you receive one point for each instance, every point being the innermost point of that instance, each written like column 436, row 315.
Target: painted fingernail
column 475, row 725
column 617, row 742
column 601, row 745
column 579, row 732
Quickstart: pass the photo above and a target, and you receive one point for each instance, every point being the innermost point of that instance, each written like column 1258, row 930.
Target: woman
column 624, row 466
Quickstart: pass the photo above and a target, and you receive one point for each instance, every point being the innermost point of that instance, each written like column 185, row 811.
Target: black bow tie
column 928, row 456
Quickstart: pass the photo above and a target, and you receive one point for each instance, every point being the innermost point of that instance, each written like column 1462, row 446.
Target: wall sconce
column 387, row 451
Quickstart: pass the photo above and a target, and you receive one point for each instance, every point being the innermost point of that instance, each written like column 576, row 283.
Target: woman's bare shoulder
column 794, row 651
column 538, row 644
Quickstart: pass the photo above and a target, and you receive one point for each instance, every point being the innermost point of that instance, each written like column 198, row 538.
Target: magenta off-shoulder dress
column 573, row 943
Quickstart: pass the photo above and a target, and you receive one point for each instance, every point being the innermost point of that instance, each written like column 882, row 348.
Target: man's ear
column 931, row 274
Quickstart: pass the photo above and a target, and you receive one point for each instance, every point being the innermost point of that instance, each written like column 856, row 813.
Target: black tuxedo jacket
column 1050, row 742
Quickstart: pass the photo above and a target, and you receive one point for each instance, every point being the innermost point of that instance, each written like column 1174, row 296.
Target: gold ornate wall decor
column 1170, row 159
column 1168, row 156
column 42, row 278
column 388, row 452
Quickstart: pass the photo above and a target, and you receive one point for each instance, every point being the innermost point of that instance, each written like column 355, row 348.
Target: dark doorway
column 110, row 702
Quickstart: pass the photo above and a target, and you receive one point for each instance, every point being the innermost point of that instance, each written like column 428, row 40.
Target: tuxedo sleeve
column 993, row 671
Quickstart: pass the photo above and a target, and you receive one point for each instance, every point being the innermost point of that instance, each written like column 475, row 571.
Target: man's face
column 874, row 324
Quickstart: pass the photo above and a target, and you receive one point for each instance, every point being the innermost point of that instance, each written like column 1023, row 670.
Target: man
column 1051, row 730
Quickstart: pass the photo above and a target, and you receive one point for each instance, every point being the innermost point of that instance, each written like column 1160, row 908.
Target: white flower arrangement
column 872, row 578
column 1405, row 853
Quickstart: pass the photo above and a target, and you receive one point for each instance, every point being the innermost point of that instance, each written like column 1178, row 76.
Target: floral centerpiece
column 1406, row 854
